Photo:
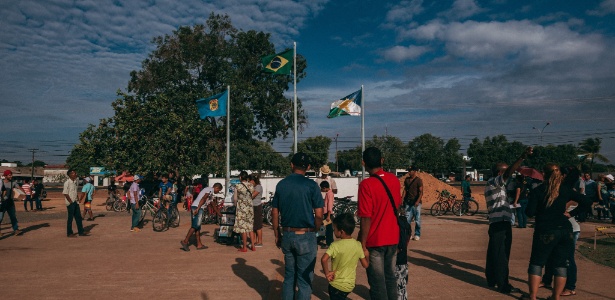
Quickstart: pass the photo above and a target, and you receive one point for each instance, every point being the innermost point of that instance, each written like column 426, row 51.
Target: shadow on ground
column 453, row 268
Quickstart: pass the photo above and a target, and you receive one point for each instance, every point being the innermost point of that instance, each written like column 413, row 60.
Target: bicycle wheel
column 269, row 216
column 436, row 209
column 444, row 208
column 143, row 212
column 109, row 204
column 160, row 220
column 472, row 207
column 459, row 208
column 174, row 217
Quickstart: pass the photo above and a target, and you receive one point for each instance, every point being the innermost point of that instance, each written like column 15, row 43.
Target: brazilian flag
column 280, row 63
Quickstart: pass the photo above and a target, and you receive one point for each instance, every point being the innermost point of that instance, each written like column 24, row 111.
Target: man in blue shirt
column 299, row 201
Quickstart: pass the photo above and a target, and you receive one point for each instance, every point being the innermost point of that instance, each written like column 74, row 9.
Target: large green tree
column 426, row 152
column 317, row 148
column 393, row 151
column 492, row 150
column 156, row 126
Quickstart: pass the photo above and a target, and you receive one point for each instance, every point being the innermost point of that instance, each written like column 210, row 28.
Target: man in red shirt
column 379, row 233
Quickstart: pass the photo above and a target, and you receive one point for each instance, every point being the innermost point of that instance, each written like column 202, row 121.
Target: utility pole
column 32, row 175
column 336, row 163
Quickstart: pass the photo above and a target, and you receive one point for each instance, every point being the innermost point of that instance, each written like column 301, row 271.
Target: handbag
column 402, row 222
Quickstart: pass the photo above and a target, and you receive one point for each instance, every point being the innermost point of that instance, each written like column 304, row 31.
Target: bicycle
column 147, row 205
column 346, row 205
column 267, row 208
column 444, row 204
column 209, row 213
column 466, row 206
column 166, row 217
column 120, row 204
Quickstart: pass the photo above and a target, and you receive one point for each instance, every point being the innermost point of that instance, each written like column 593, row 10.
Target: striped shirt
column 498, row 204
column 26, row 188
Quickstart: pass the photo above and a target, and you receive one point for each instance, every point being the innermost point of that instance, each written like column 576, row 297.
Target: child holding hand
column 344, row 254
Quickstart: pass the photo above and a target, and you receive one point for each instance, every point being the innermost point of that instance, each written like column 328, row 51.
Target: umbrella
column 531, row 172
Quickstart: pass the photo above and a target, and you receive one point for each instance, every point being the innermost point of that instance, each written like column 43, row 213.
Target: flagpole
column 295, row 102
column 228, row 139
column 362, row 130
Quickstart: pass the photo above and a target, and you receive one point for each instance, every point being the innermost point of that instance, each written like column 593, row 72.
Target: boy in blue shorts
column 344, row 254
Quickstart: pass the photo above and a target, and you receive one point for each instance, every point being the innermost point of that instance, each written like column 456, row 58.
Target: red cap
column 7, row 172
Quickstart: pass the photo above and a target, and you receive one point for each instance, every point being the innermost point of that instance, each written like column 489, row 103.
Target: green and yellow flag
column 280, row 63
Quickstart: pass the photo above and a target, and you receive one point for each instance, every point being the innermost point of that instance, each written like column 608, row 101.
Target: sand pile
column 431, row 185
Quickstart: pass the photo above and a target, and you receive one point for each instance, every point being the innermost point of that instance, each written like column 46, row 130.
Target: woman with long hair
column 244, row 212
column 552, row 239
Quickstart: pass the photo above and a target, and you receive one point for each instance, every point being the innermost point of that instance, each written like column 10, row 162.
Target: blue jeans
column 38, row 202
column 73, row 212
column 25, row 202
column 414, row 212
column 299, row 262
column 196, row 219
column 10, row 210
column 136, row 215
column 521, row 217
column 381, row 272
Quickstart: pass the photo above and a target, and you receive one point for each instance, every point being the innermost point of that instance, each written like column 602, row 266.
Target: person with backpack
column 412, row 196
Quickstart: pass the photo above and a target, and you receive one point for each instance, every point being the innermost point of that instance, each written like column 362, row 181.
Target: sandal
column 242, row 250
column 184, row 246
column 202, row 247
column 568, row 293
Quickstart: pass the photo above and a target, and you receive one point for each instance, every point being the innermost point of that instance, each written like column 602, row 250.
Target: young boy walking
column 344, row 254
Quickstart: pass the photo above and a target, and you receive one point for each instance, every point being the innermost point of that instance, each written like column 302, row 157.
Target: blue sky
column 455, row 68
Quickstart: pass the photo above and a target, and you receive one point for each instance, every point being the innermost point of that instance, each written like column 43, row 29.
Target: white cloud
column 463, row 9
column 533, row 43
column 606, row 7
column 404, row 11
column 401, row 53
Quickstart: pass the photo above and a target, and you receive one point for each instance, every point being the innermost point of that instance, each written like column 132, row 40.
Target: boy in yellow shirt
column 344, row 254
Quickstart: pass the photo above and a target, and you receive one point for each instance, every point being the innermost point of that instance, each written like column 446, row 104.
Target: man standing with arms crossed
column 379, row 232
column 298, row 200
column 500, row 226
column 71, row 199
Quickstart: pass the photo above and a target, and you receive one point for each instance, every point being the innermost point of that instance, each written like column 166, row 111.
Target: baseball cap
column 412, row 168
column 87, row 179
column 136, row 177
column 7, row 172
column 610, row 177
column 301, row 160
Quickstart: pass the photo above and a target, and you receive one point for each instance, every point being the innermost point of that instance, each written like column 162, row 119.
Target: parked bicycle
column 444, row 204
column 210, row 216
column 467, row 206
column 346, row 205
column 147, row 206
column 166, row 216
column 267, row 207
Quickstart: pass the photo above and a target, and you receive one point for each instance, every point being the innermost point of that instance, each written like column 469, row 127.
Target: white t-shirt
column 205, row 191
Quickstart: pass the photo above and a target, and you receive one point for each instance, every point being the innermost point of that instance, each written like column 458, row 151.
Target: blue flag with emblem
column 214, row 106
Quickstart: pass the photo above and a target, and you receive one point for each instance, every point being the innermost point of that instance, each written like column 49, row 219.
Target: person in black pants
column 500, row 224
column 552, row 239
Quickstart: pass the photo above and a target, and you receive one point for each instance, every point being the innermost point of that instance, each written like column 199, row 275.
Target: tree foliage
column 317, row 148
column 156, row 126
column 590, row 149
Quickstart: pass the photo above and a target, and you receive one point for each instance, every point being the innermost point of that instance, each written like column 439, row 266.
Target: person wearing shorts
column 87, row 194
column 198, row 208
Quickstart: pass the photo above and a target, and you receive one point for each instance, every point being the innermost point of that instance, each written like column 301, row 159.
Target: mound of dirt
column 432, row 185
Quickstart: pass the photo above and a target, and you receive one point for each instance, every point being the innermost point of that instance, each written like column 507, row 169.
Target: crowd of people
column 300, row 206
